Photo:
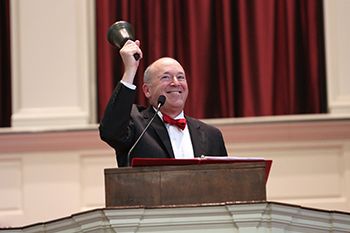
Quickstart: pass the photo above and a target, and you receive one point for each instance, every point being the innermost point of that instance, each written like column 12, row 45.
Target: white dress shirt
column 180, row 139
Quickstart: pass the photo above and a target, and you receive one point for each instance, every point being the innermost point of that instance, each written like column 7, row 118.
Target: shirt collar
column 180, row 116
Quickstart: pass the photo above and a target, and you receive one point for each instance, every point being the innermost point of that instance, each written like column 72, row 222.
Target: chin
column 174, row 106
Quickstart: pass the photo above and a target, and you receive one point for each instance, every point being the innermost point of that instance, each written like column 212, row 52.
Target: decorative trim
column 245, row 217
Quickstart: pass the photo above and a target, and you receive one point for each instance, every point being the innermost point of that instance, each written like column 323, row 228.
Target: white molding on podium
column 53, row 63
column 337, row 28
column 247, row 217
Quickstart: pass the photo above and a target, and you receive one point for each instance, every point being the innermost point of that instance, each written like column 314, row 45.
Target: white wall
column 49, row 175
column 53, row 62
column 311, row 159
column 337, row 35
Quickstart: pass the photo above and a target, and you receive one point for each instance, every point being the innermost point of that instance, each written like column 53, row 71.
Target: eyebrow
column 179, row 73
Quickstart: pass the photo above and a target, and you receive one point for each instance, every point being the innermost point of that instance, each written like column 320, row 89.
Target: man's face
column 168, row 79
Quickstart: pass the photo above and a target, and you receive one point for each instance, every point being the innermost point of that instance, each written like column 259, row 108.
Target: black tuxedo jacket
column 123, row 122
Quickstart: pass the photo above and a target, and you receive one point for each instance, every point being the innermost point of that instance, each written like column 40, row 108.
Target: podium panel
column 186, row 184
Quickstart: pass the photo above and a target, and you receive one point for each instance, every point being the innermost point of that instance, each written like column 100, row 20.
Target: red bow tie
column 181, row 123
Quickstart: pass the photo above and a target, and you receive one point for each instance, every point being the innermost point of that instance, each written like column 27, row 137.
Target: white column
column 53, row 63
column 337, row 35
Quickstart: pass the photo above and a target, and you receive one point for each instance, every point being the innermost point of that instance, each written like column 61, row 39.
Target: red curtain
column 5, row 65
column 241, row 57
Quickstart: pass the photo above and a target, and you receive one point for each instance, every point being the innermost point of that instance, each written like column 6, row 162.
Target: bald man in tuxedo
column 123, row 121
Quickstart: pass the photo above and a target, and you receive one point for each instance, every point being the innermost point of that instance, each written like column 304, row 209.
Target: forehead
column 167, row 65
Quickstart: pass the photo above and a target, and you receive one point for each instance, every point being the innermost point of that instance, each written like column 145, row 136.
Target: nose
column 175, row 81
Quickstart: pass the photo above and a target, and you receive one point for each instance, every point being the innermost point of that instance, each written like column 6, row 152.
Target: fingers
column 130, row 63
column 128, row 51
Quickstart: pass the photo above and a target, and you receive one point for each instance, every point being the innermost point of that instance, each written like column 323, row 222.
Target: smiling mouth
column 174, row 92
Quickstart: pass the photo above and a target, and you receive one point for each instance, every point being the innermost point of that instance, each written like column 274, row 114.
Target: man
column 123, row 122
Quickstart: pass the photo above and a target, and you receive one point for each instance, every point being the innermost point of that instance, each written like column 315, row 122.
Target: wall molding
column 53, row 63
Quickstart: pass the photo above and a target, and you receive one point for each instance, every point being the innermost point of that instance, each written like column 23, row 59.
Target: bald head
column 156, row 66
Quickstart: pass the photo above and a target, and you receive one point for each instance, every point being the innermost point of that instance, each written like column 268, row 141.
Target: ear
column 146, row 90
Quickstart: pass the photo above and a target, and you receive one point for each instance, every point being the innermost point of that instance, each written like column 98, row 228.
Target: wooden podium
column 213, row 182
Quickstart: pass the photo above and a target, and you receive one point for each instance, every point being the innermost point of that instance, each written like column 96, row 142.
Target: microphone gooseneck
column 161, row 101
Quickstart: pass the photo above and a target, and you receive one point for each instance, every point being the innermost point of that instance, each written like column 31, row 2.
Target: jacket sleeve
column 115, row 128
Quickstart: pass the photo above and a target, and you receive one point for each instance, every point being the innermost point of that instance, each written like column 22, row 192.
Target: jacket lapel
column 197, row 137
column 160, row 129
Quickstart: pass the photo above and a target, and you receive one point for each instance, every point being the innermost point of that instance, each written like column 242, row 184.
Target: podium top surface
column 150, row 162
